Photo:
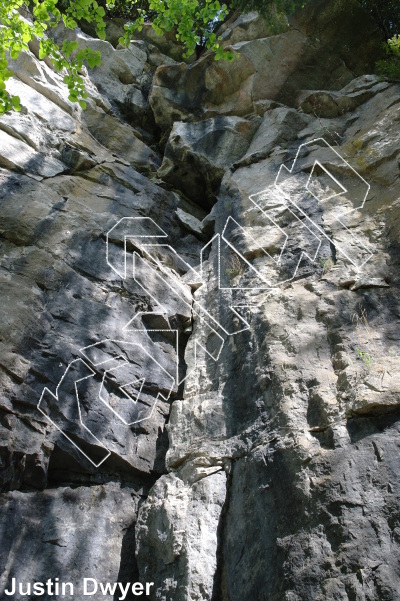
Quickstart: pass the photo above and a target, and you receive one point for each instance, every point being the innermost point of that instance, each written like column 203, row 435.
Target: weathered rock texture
column 272, row 473
column 321, row 50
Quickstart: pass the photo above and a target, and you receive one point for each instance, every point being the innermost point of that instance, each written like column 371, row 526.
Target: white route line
column 124, row 363
column 56, row 397
column 124, row 229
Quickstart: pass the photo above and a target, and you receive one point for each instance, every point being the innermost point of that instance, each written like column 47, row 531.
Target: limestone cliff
column 267, row 467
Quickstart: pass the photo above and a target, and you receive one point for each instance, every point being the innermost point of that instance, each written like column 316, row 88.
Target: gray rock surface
column 179, row 521
column 321, row 50
column 268, row 470
column 48, row 534
column 304, row 407
column 198, row 154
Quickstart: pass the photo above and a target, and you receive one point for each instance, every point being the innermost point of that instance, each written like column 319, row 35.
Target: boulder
column 240, row 27
column 197, row 154
column 275, row 131
column 333, row 104
column 173, row 521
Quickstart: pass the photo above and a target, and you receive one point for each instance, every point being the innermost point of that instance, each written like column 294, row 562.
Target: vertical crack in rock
column 128, row 569
column 219, row 591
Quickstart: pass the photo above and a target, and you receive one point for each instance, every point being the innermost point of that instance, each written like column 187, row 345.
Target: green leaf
column 193, row 22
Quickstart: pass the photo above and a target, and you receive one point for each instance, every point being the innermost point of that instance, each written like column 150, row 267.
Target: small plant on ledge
column 390, row 68
column 233, row 266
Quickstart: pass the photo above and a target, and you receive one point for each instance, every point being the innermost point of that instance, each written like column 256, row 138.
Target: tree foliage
column 194, row 22
column 265, row 7
column 17, row 31
column 390, row 68
column 386, row 13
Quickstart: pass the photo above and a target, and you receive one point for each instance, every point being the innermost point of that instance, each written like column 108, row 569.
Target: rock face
column 99, row 548
column 257, row 458
column 319, row 50
column 198, row 154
